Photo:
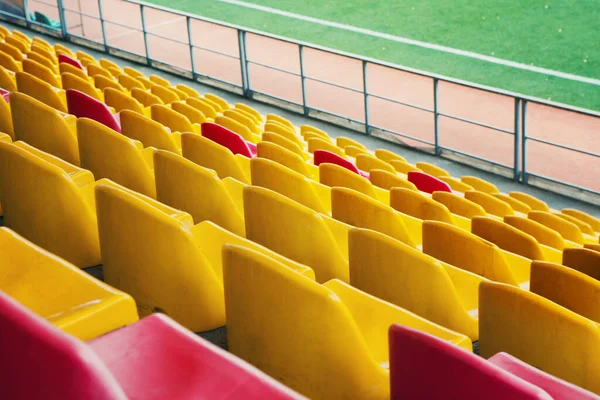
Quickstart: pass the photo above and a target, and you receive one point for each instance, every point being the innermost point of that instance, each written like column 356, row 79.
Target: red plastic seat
column 83, row 106
column 156, row 358
column 557, row 388
column 5, row 95
column 41, row 362
column 324, row 156
column 425, row 367
column 229, row 139
column 427, row 183
column 63, row 58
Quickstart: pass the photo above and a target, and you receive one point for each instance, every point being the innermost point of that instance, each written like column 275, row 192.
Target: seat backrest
column 83, row 106
column 582, row 216
column 418, row 205
column 533, row 202
column 284, row 142
column 361, row 211
column 432, row 170
column 73, row 82
column 583, row 226
column 254, row 281
column 212, row 155
column 388, row 156
column 490, row 204
column 11, row 51
column 566, row 229
column 149, row 252
column 194, row 115
column 507, row 237
column 10, row 63
column 305, row 129
column 188, row 90
column 480, row 184
column 529, row 327
column 316, row 144
column 41, row 71
column 335, row 175
column 541, row 233
column 102, row 82
column 294, row 231
column 187, row 186
column 416, row 355
column 284, row 131
column 43, row 204
column 342, row 142
column 428, row 183
column 29, row 345
column 367, row 162
column 121, row 101
column 6, row 120
column 235, row 126
column 227, row 138
column 387, row 180
column 517, row 205
column 283, row 156
column 583, row 260
column 403, row 167
column 283, row 180
column 108, row 154
column 354, row 151
column 7, row 80
column 44, row 127
column 456, row 184
column 459, row 205
column 146, row 98
column 324, row 156
column 130, row 82
column 64, row 58
column 94, row 70
column 243, row 118
column 203, row 106
column 465, row 250
column 170, row 118
column 151, row 133
column 40, row 90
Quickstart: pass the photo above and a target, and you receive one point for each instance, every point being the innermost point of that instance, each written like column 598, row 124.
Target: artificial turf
column 561, row 35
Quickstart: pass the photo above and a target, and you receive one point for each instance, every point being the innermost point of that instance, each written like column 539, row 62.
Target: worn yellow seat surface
column 58, row 291
column 47, row 201
column 490, row 204
column 333, row 175
column 283, row 156
column 568, row 230
column 42, row 91
column 297, row 232
column 402, row 275
column 151, row 133
column 583, row 260
column 129, row 82
column 7, row 79
column 533, row 202
column 584, row 217
column 355, row 151
column 543, row 234
column 539, row 332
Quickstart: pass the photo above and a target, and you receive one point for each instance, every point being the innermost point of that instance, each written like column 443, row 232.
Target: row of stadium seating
column 311, row 250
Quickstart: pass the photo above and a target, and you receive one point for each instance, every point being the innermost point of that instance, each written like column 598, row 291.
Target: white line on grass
column 418, row 43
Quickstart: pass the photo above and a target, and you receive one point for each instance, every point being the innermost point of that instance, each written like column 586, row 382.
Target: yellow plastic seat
column 595, row 247
column 50, row 64
column 584, row 217
column 172, row 119
column 108, row 64
column 456, row 184
column 583, row 260
column 516, row 205
column 146, row 98
column 20, row 42
column 203, row 106
column 42, row 91
column 534, row 203
column 73, row 82
column 322, row 144
column 10, row 63
column 250, row 116
column 243, row 118
column 285, row 131
column 41, row 71
column 286, row 143
column 490, row 204
column 543, row 234
column 81, row 55
column 213, row 156
column 567, row 287
column 109, row 154
column 223, row 104
column 65, row 67
column 313, row 135
column 4, row 138
column 151, row 133
column 249, row 110
column 44, row 52
column 333, row 175
column 432, row 170
column 194, row 115
column 120, row 101
column 49, row 202
column 586, row 229
column 387, row 156
column 354, row 151
column 159, row 80
column 281, row 179
column 7, row 80
column 367, row 162
column 58, row 48
column 12, row 51
column 189, row 187
column 387, row 180
column 44, row 127
column 568, row 230
column 465, row 250
column 6, row 121
column 238, row 128
column 297, row 232
column 283, row 156
column 4, row 31
column 129, row 82
column 539, row 332
column 480, row 184
column 359, row 210
column 166, row 94
column 94, row 70
column 342, row 142
column 403, row 167
column 213, row 104
column 188, row 90
column 394, row 272
column 70, row 299
column 305, row 129
column 322, row 321
column 102, row 82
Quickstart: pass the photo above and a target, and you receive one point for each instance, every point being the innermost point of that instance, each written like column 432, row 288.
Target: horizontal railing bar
column 334, row 84
column 400, row 102
column 215, row 51
column 562, row 146
column 495, row 128
column 273, row 68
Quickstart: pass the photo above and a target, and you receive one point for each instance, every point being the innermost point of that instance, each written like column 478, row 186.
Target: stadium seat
column 286, row 132
column 186, row 186
column 286, row 143
column 188, row 90
column 387, row 180
column 427, row 183
column 238, row 128
column 387, row 156
column 367, row 163
column 159, row 81
column 5, row 139
column 480, row 184
column 586, row 229
column 354, row 151
column 203, row 106
column 340, row 316
column 6, row 61
column 173, row 120
column 250, row 110
column 102, row 82
column 543, row 234
column 463, row 249
column 7, row 80
column 212, row 155
column 584, row 217
column 316, row 144
column 6, row 119
column 398, row 273
column 41, row 71
column 568, row 230
column 18, row 42
column 432, row 170
column 531, row 201
column 109, row 64
column 122, row 101
column 44, row 127
column 49, row 202
column 359, row 210
column 343, row 142
column 50, row 64
column 297, row 232
column 425, row 367
column 94, row 70
column 71, row 81
column 243, row 118
column 324, row 156
column 281, row 179
column 165, row 93
column 583, row 260
column 335, row 175
column 281, row 120
column 151, row 133
column 56, row 290
column 194, row 115
column 64, row 58
column 60, row 49
column 146, row 98
column 12, row 51
column 42, row 91
column 456, row 184
column 539, row 332
column 403, row 167
column 517, row 205
column 108, row 154
column 490, row 204
column 83, row 106
column 287, row 158
column 130, row 82
column 229, row 139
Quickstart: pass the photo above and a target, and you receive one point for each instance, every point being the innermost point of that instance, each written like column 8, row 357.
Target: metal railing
column 517, row 169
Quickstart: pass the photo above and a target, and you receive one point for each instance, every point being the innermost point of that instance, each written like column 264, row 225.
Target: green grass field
column 557, row 35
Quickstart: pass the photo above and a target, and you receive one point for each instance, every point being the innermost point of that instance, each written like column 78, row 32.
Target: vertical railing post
column 102, row 24
column 63, row 20
column 244, row 63
column 189, row 30
column 436, row 118
column 366, row 96
column 517, row 125
column 145, row 33
column 524, row 143
column 303, row 79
